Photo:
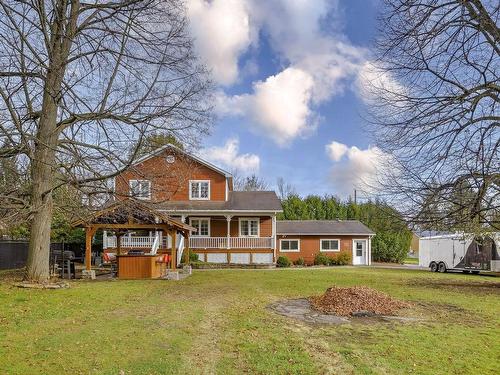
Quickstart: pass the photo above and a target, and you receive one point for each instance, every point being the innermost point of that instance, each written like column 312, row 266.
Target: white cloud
column 228, row 156
column 354, row 168
column 279, row 107
column 336, row 150
column 306, row 36
column 373, row 82
column 298, row 34
column 222, row 32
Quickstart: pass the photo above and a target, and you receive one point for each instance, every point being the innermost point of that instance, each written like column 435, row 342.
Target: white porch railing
column 136, row 242
column 195, row 242
column 208, row 242
column 234, row 242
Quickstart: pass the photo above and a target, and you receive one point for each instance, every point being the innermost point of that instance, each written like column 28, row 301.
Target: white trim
column 199, row 182
column 224, row 212
column 290, row 251
column 325, row 234
column 137, row 197
column 365, row 240
column 252, row 219
column 201, row 218
column 369, row 251
column 163, row 148
column 330, row 250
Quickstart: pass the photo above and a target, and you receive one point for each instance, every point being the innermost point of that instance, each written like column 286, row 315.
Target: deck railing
column 137, row 242
column 196, row 242
column 234, row 243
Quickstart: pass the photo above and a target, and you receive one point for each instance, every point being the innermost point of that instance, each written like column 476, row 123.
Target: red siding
column 171, row 181
column 310, row 246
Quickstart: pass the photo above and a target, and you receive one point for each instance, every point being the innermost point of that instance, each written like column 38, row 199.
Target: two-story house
column 236, row 227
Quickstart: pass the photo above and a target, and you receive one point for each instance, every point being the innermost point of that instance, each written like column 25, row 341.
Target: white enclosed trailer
column 462, row 252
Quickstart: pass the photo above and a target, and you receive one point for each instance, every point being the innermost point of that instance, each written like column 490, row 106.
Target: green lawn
column 411, row 260
column 216, row 322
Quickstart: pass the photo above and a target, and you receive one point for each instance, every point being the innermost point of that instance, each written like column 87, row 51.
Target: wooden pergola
column 130, row 214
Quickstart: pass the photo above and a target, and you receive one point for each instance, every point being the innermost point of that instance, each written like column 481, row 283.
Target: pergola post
column 118, row 243
column 89, row 234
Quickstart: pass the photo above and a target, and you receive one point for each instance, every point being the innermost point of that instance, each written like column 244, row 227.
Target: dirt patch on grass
column 356, row 301
column 302, row 310
column 460, row 286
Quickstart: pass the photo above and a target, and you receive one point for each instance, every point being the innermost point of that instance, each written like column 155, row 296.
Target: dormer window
column 140, row 189
column 199, row 190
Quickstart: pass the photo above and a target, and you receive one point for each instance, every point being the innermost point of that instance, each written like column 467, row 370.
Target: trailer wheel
column 465, row 271
column 442, row 267
column 475, row 272
column 434, row 267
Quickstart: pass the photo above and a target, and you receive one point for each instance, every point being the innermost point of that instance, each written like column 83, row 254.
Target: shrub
column 299, row 262
column 283, row 262
column 341, row 259
column 390, row 246
column 193, row 257
column 322, row 259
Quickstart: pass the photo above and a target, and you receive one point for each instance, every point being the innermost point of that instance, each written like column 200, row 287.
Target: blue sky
column 290, row 77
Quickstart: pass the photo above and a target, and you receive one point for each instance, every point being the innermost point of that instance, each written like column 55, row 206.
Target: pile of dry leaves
column 349, row 301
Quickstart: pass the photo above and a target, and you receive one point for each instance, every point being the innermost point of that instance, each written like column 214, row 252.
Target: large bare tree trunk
column 80, row 82
column 41, row 197
column 43, row 163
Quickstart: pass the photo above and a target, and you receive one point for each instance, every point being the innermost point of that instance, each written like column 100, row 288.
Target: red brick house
column 236, row 227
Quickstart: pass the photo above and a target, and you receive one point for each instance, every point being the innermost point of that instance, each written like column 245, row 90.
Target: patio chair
column 164, row 261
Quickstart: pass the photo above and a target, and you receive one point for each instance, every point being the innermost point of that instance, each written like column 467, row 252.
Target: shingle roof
column 318, row 227
column 238, row 201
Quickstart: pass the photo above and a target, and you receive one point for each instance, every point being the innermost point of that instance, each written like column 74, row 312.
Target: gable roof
column 237, row 201
column 158, row 151
column 130, row 211
column 322, row 227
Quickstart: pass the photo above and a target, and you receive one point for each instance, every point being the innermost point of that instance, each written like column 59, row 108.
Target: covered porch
column 217, row 238
column 210, row 232
column 138, row 261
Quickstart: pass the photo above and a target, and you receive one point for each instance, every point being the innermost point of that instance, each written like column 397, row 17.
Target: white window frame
column 191, row 191
column 132, row 194
column 329, row 250
column 249, row 219
column 200, row 218
column 290, row 251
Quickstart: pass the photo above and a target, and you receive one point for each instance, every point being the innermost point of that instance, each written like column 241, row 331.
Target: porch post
column 174, row 249
column 273, row 226
column 104, row 239
column 228, row 233
column 187, row 250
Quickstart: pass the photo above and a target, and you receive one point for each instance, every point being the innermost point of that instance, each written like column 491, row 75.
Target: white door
column 359, row 252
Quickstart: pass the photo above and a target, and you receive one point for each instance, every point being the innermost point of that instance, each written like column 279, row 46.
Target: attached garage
column 307, row 238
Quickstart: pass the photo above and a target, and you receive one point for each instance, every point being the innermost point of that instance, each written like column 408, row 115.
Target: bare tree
column 80, row 81
column 249, row 183
column 285, row 189
column 435, row 107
